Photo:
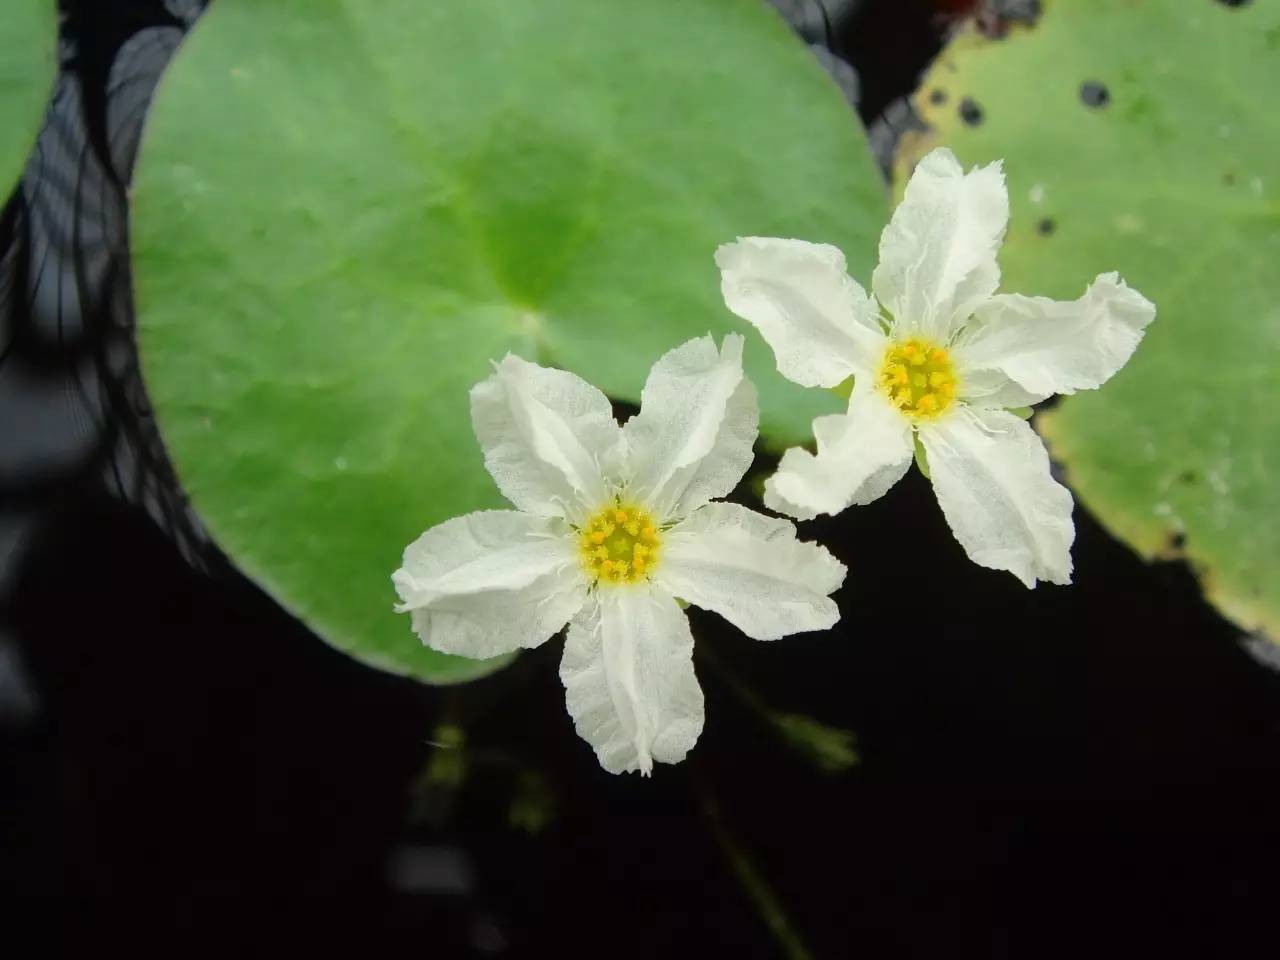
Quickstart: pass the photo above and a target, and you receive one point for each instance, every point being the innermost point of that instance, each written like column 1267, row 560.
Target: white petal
column 544, row 433
column 861, row 454
column 821, row 324
column 991, row 388
column 490, row 582
column 628, row 678
column 938, row 253
column 1050, row 346
column 991, row 474
column 691, row 440
column 751, row 570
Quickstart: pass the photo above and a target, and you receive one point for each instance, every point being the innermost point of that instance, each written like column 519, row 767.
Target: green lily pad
column 1143, row 137
column 28, row 41
column 345, row 211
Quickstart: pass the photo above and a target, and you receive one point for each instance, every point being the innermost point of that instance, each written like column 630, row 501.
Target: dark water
column 1091, row 768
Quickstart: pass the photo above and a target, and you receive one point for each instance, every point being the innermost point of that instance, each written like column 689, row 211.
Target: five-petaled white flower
column 613, row 524
column 945, row 366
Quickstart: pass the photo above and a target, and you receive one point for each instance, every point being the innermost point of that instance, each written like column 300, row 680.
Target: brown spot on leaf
column 1094, row 94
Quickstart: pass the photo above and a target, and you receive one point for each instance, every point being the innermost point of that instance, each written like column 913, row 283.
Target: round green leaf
column 1143, row 137
column 28, row 40
column 345, row 211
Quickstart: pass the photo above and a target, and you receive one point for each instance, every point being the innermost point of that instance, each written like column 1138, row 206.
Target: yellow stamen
column 611, row 547
column 918, row 377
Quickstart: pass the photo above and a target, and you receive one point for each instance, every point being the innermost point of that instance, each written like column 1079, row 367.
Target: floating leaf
column 345, row 211
column 28, row 39
column 1143, row 137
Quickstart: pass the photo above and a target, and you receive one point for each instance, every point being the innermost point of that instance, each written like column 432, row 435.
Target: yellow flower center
column 620, row 544
column 919, row 377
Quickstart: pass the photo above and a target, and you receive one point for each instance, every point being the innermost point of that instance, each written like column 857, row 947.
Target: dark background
column 1042, row 773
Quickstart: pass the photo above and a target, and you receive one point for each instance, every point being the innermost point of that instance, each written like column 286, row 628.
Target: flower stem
column 831, row 749
column 752, row 881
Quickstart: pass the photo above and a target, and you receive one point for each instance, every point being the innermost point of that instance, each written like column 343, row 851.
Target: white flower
column 942, row 368
column 613, row 524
